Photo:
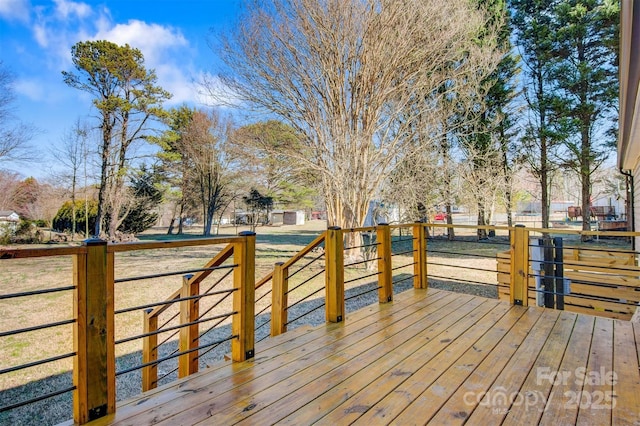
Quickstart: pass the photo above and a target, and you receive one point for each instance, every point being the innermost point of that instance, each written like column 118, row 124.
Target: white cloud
column 152, row 39
column 31, row 89
column 179, row 83
column 15, row 10
column 67, row 9
column 57, row 27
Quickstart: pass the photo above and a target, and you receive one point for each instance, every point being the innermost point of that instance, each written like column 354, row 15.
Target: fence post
column 334, row 273
column 93, row 333
column 385, row 278
column 519, row 292
column 149, row 351
column 189, row 335
column 419, row 256
column 243, row 326
column 279, row 303
column 559, row 272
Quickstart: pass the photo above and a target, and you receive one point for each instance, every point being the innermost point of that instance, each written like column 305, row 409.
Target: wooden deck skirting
column 430, row 356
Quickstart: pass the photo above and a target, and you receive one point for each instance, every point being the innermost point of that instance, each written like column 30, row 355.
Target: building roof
column 6, row 214
column 629, row 134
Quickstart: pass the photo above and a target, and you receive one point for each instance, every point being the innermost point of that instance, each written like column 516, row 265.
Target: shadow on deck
column 429, row 357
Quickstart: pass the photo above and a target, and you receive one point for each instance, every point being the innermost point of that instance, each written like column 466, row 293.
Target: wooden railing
column 390, row 248
column 601, row 281
column 188, row 296
column 94, row 343
column 335, row 242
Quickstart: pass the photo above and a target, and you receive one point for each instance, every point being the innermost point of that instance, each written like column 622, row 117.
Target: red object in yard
column 440, row 216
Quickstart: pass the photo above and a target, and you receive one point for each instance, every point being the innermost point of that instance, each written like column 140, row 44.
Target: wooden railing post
column 149, row 351
column 419, row 256
column 243, row 326
column 385, row 278
column 279, row 303
column 334, row 275
column 189, row 335
column 519, row 266
column 93, row 333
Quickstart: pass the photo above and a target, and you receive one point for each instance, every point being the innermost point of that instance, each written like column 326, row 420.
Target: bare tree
column 72, row 154
column 9, row 182
column 14, row 135
column 346, row 75
column 202, row 144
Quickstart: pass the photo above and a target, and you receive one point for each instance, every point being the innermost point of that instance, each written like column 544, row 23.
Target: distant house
column 629, row 115
column 9, row 219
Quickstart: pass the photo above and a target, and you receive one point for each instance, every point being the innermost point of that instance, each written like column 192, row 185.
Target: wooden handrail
column 148, row 245
column 313, row 244
column 25, row 253
column 188, row 309
column 295, row 258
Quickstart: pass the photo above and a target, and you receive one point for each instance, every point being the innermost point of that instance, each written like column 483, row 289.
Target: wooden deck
column 429, row 357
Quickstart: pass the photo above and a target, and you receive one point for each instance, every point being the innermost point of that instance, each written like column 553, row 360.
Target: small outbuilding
column 9, row 219
column 293, row 217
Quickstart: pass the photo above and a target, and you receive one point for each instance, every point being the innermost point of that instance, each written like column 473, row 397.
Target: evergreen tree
column 586, row 76
column 534, row 25
column 126, row 97
column 143, row 213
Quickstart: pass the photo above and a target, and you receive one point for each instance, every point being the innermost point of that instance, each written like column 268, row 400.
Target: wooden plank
column 624, row 293
column 412, row 375
column 217, row 260
column 595, row 400
column 420, row 256
column 94, row 370
column 596, row 278
column 334, row 275
column 41, row 252
column 427, row 403
column 149, row 245
column 519, row 266
column 189, row 338
column 313, row 368
column 385, row 266
column 605, row 267
column 408, row 359
column 405, row 302
column 271, row 364
column 591, row 311
column 626, row 393
column 279, row 299
column 243, row 323
column 501, row 364
column 531, row 401
column 599, row 305
column 313, row 244
column 565, row 383
column 149, row 351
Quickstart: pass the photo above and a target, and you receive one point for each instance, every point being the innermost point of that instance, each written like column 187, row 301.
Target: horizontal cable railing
column 463, row 257
column 298, row 287
column 30, row 316
column 153, row 325
column 108, row 302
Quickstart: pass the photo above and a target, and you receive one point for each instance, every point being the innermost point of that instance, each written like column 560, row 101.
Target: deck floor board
column 428, row 357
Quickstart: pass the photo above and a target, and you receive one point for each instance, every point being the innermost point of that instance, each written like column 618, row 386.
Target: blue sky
column 35, row 45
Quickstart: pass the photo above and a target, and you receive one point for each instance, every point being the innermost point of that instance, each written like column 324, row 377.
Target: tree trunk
column 482, row 220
